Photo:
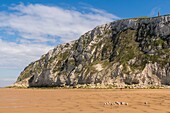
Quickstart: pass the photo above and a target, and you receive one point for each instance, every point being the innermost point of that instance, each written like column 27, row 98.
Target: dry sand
column 83, row 101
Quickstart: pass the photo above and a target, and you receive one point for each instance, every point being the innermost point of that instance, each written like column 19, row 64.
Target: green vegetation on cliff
column 130, row 51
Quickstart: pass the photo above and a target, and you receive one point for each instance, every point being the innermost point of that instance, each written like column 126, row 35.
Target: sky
column 30, row 28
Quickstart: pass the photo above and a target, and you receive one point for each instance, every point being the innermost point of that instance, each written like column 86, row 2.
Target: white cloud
column 38, row 21
column 19, row 55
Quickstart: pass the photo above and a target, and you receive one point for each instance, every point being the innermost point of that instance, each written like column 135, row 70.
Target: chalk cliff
column 125, row 52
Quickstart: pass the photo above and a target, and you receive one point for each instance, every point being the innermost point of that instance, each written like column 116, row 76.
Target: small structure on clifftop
column 158, row 13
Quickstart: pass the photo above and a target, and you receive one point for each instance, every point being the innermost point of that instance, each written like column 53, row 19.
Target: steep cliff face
column 124, row 52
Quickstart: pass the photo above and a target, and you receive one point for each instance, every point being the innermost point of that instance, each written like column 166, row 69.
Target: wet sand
column 84, row 100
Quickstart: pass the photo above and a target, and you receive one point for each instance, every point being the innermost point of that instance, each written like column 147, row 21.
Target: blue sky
column 30, row 28
column 122, row 8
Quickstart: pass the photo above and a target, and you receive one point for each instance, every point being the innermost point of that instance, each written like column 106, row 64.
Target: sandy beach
column 84, row 100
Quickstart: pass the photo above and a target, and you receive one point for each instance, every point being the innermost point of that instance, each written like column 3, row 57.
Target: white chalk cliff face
column 124, row 52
